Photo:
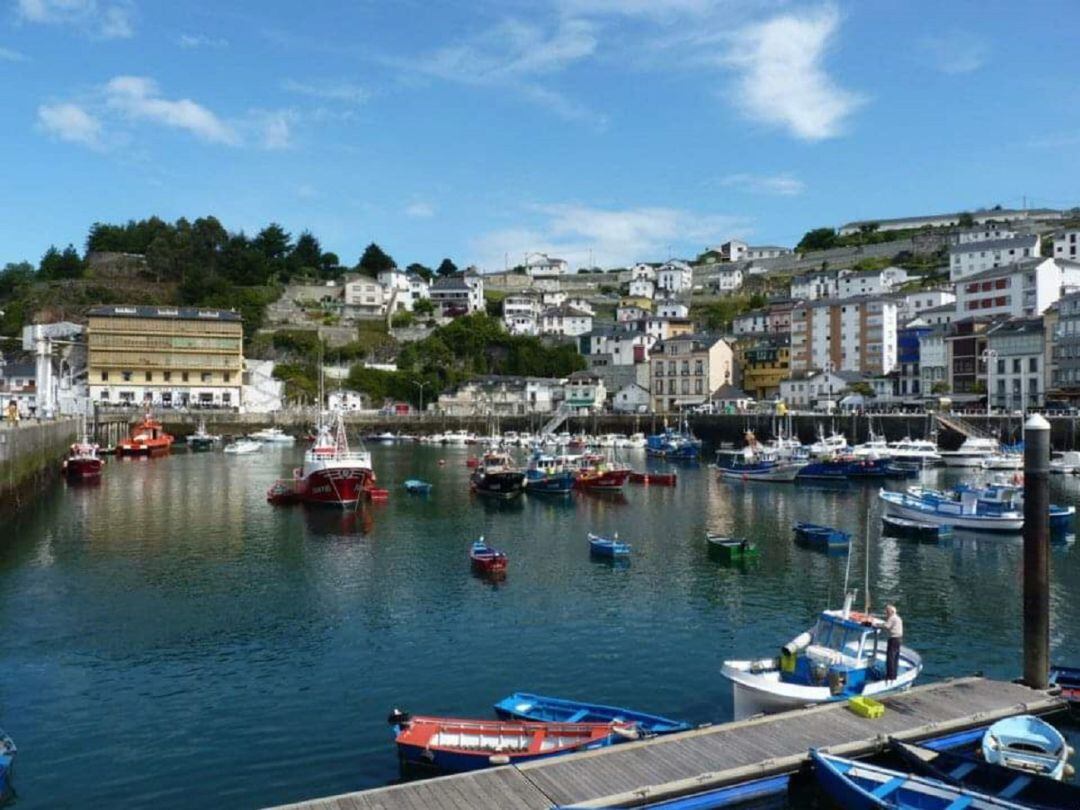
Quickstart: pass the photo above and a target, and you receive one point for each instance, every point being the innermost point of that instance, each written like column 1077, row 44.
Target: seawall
column 30, row 454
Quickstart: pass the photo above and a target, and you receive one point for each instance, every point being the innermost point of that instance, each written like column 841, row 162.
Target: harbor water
column 171, row 640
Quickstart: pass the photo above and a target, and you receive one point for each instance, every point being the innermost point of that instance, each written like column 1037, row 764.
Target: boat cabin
column 840, row 651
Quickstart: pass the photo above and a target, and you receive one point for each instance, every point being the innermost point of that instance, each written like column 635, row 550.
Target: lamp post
column 420, row 385
column 988, row 357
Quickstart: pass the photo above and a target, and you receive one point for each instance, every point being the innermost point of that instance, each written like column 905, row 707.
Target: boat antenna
column 847, row 567
column 866, row 579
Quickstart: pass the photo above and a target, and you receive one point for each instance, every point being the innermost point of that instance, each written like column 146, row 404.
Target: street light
column 420, row 385
column 988, row 356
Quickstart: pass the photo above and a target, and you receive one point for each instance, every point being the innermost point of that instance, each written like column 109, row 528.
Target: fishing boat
column 83, row 461
column 842, row 468
column 1026, row 743
column 542, row 709
column 607, row 546
column 242, row 447
column 1002, row 461
column 842, row 656
column 201, row 440
column 923, row 451
column 147, row 438
column 730, row 548
column 755, row 463
column 1067, row 679
column 283, row 492
column 597, row 473
column 452, row 745
column 970, row 772
column 862, row 786
column 486, row 559
column 635, row 441
column 333, row 474
column 971, row 453
column 414, row 486
column 821, row 537
column 547, row 475
column 654, row 479
column 963, row 513
column 679, row 445
column 915, row 529
column 7, row 760
column 497, row 475
column 874, row 447
column 386, row 437
column 1004, row 495
column 831, row 445
column 273, row 435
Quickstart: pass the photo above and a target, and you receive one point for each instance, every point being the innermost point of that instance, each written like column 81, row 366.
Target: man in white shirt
column 893, row 626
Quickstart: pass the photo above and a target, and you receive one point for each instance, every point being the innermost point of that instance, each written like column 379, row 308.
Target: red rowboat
column 486, row 559
column 147, row 438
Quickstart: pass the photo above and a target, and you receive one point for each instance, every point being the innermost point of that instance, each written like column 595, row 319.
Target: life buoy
column 860, row 618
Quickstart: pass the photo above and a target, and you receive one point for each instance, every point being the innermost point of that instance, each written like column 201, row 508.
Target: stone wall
column 30, row 453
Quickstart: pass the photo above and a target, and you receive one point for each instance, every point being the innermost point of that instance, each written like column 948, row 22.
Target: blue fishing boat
column 739, row 794
column 862, row 786
column 929, row 506
column 607, row 547
column 548, row 475
column 971, row 772
column 754, row 463
column 7, row 760
column 843, row 468
column 1001, row 498
column 822, row 537
column 1027, row 744
column 539, row 708
column 415, row 486
column 677, row 445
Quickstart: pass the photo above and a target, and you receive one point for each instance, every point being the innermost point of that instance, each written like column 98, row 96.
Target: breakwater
column 30, row 452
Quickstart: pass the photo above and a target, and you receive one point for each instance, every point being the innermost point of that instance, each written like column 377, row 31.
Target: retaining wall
column 30, row 454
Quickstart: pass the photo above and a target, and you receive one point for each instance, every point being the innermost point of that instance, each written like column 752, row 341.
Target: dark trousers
column 892, row 658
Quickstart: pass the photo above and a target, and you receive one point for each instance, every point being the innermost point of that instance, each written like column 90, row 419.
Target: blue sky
column 617, row 129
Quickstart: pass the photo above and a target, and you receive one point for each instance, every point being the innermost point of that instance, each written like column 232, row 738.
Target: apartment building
column 1016, row 290
column 765, row 361
column 685, row 370
column 1015, row 374
column 855, row 334
column 1067, row 245
column 970, row 258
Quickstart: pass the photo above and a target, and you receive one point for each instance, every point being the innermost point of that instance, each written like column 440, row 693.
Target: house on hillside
column 685, row 370
column 459, row 294
column 538, row 265
column 365, row 297
column 631, row 398
column 641, row 288
column 565, row 321
column 585, row 393
column 675, row 277
column 970, row 258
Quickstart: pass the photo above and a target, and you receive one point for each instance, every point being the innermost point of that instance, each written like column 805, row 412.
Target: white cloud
column 420, row 210
column 138, row 97
column 9, row 55
column 277, row 130
column 108, row 20
column 955, row 53
column 781, row 76
column 70, row 122
column 192, row 41
column 610, row 237
column 784, row 185
column 328, row 90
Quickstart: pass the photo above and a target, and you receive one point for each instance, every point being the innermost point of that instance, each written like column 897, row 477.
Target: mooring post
column 1036, row 552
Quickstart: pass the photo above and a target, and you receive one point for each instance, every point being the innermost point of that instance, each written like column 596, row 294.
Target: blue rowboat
column 994, row 780
column 733, row 795
column 861, row 786
column 539, row 708
column 1026, row 743
column 1067, row 679
column 417, row 487
column 607, row 547
column 821, row 537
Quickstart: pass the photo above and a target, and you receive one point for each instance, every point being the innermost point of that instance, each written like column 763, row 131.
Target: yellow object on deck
column 866, row 707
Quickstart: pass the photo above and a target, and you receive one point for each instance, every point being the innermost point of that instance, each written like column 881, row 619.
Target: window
column 1000, row 366
column 104, row 376
column 685, row 367
column 699, row 367
column 149, row 376
column 1017, row 365
column 226, row 377
column 686, row 386
column 184, row 376
column 659, row 386
column 1033, row 385
column 167, row 375
column 105, row 396
column 1033, row 364
column 126, row 375
column 205, row 376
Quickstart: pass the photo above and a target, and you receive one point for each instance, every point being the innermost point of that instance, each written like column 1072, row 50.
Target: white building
column 540, row 264
column 365, row 296
column 726, row 279
column 939, row 316
column 970, row 258
column 913, row 304
column 642, row 270
column 459, row 294
column 346, row 401
column 853, row 334
column 565, row 321
column 1067, row 245
column 1017, row 290
column 986, row 233
column 521, row 314
column 670, row 308
column 1016, row 376
column 631, row 398
column 755, row 252
column 641, row 288
column 396, row 289
column 620, row 345
column 753, row 322
column 581, row 304
column 419, row 287
column 806, row 389
column 552, row 298
column 933, row 361
column 870, row 282
column 814, row 285
column 675, row 277
column 733, row 251
column 585, row 392
column 980, row 217
column 502, row 396
column 628, row 312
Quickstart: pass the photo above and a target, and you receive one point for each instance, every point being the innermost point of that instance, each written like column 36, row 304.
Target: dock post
column 1036, row 552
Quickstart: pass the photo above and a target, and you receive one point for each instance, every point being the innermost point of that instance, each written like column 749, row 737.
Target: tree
column 421, row 270
column 374, row 261
column 940, row 387
column 424, row 307
column 861, row 388
column 817, row 239
column 446, row 268
column 60, row 265
column 273, row 242
column 966, row 220
column 306, row 253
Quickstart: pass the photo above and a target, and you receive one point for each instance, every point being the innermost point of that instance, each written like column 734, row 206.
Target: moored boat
column 821, row 537
column 332, row 473
column 862, row 786
column 540, row 708
column 497, row 475
column 241, row 447
column 915, row 529
column 201, row 440
column 607, row 546
column 1067, row 679
column 971, row 453
column 273, row 435
column 547, row 475
column 415, row 486
column 730, row 548
column 679, row 445
column 453, row 745
column 83, row 461
column 962, row 513
column 486, row 559
column 595, row 472
column 1027, row 743
column 654, row 479
column 147, row 438
column 754, row 463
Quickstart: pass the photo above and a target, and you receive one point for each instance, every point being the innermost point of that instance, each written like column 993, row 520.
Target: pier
column 30, row 451
column 666, row 767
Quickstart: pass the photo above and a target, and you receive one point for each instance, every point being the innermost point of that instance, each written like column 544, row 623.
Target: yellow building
column 765, row 361
column 165, row 356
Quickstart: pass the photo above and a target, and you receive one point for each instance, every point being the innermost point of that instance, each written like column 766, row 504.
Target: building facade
column 675, row 277
column 933, row 362
column 1067, row 245
column 855, row 334
column 870, row 282
column 815, row 285
column 969, row 258
column 684, row 370
column 565, row 321
column 165, row 356
column 539, row 265
column 1015, row 375
column 764, row 363
column 1022, row 289
column 460, row 294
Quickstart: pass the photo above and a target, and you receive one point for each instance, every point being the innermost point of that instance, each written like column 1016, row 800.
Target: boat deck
column 710, row 757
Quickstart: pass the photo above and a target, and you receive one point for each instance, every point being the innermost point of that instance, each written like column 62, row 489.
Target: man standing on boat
column 894, row 628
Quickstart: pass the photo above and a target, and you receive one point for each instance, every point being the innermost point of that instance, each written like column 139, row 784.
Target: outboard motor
column 398, row 718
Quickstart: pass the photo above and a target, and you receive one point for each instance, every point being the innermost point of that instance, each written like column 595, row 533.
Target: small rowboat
column 1067, row 679
column 654, row 479
column 915, row 529
column 821, row 537
column 486, row 559
column 1026, row 743
column 730, row 548
column 538, row 708
column 452, row 745
column 994, row 780
column 415, row 486
column 282, row 492
column 608, row 547
column 861, row 786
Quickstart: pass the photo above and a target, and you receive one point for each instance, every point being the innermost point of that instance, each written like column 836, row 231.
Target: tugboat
column 83, row 461
column 331, row 475
column 498, row 475
column 147, row 438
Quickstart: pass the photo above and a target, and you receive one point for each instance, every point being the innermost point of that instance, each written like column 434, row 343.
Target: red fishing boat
column 485, row 559
column 597, row 473
column 147, row 438
column 82, row 461
column 331, row 474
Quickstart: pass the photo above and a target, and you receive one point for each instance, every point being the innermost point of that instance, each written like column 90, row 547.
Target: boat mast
column 866, row 579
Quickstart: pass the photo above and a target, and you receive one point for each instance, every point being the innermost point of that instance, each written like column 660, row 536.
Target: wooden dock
column 711, row 757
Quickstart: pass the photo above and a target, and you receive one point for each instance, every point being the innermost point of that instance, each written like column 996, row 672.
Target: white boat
column 243, row 447
column 921, row 450
column 830, row 445
column 874, row 447
column 841, row 657
column 272, row 435
column 755, row 464
column 971, row 452
column 1067, row 464
column 386, row 437
column 1028, row 744
column 608, row 440
column 1002, row 461
column 458, row 438
column 635, row 441
column 962, row 513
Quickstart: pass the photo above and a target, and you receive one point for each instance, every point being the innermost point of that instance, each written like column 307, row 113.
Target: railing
column 961, row 426
column 556, row 421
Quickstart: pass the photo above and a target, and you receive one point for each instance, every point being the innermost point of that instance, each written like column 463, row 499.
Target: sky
column 603, row 131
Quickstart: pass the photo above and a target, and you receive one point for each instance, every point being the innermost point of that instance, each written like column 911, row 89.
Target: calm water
column 170, row 639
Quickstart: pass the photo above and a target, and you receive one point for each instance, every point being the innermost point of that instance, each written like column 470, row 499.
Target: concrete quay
column 30, row 453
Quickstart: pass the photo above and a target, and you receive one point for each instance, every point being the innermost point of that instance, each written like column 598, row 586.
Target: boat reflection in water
column 332, row 522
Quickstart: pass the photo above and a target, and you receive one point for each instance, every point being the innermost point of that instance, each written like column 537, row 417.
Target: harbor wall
column 30, row 454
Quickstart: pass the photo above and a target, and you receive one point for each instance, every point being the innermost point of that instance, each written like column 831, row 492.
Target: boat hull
column 78, row 469
column 499, row 484
column 779, row 473
column 1003, row 524
column 335, row 486
column 539, row 708
column 155, row 447
column 606, row 481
